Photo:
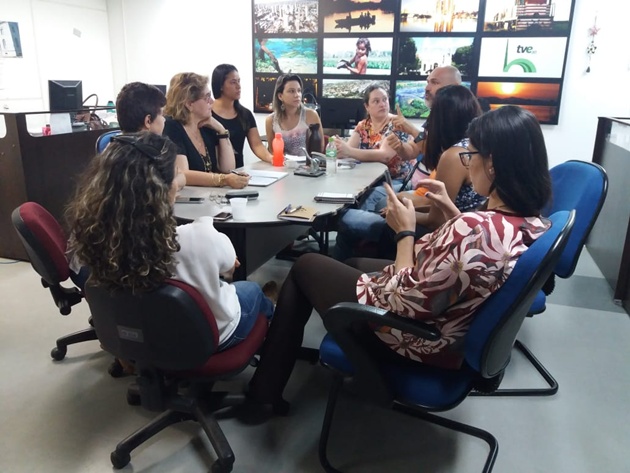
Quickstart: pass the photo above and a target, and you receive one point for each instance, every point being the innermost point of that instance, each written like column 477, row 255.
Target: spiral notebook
column 264, row 178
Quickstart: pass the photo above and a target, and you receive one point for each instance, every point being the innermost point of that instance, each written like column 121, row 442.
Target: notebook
column 335, row 198
column 264, row 178
column 302, row 214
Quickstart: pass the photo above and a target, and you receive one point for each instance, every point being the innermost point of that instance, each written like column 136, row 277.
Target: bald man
column 439, row 77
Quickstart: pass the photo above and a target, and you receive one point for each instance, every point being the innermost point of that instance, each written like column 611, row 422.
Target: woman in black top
column 198, row 136
column 226, row 88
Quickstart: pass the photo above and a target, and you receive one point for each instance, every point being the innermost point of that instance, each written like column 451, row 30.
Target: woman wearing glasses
column 124, row 232
column 239, row 121
column 441, row 278
column 199, row 137
column 290, row 117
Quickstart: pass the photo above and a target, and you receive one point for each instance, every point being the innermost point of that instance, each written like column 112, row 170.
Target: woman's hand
column 229, row 274
column 343, row 148
column 438, row 195
column 213, row 123
column 236, row 181
column 400, row 216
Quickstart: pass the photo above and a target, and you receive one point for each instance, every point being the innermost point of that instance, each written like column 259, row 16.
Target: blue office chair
column 417, row 390
column 582, row 186
column 103, row 140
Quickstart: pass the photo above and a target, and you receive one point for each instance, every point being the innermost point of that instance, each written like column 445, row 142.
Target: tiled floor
column 67, row 416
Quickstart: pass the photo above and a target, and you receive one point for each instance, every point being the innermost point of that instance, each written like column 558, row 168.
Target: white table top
column 294, row 190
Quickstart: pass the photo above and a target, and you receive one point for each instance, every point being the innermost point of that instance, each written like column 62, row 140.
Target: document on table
column 264, row 178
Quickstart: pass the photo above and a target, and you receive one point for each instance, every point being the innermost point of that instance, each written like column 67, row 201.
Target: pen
column 295, row 209
column 286, row 209
column 239, row 173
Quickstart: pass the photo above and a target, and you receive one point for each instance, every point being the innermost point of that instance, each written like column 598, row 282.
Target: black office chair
column 171, row 336
column 45, row 243
column 419, row 389
column 579, row 186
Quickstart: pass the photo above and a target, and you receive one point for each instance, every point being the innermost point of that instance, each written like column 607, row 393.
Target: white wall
column 151, row 40
column 61, row 39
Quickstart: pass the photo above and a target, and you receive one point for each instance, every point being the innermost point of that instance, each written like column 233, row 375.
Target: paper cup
column 238, row 208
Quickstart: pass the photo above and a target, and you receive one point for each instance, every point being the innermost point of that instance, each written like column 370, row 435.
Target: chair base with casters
column 419, row 389
column 171, row 336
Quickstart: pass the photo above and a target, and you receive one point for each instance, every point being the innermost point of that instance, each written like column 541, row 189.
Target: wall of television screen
column 508, row 51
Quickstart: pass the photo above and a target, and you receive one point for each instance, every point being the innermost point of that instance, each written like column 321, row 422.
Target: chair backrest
column 171, row 328
column 496, row 323
column 44, row 241
column 103, row 140
column 582, row 186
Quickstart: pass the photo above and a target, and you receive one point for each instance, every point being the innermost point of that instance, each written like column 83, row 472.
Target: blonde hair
column 185, row 87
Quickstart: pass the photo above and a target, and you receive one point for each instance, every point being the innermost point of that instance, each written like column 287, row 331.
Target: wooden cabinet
column 609, row 240
column 38, row 168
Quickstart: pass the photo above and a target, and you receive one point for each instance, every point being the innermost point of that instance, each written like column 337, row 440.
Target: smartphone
column 222, row 216
column 189, row 200
column 388, row 178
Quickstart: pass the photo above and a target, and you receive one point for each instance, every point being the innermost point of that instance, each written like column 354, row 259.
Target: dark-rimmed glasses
column 466, row 156
column 148, row 150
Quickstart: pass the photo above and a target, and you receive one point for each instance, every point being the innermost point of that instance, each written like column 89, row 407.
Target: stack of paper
column 335, row 198
column 264, row 178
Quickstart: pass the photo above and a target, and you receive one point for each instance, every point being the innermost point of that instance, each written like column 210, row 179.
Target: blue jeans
column 253, row 302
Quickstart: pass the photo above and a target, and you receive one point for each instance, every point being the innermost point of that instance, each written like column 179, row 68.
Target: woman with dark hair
column 124, row 232
column 454, row 107
column 199, row 137
column 360, row 59
column 290, row 117
column 443, row 277
column 239, row 121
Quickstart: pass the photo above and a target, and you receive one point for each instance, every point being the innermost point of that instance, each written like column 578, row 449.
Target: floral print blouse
column 455, row 269
column 371, row 138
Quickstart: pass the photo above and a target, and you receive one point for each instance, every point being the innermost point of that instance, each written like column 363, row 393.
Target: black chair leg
column 59, row 352
column 551, row 381
column 458, row 427
column 333, row 395
column 122, row 455
column 225, row 460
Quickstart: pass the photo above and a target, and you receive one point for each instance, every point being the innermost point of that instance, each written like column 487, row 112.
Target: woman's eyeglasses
column 148, row 150
column 466, row 156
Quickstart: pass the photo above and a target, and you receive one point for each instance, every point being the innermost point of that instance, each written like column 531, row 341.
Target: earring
column 282, row 106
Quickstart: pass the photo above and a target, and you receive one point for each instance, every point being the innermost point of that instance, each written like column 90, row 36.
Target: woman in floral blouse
column 444, row 276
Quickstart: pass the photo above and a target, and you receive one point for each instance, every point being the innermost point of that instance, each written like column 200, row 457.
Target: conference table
column 260, row 235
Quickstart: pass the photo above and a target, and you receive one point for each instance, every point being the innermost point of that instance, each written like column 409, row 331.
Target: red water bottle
column 278, row 150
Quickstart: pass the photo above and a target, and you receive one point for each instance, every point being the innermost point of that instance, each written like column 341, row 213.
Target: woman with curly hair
column 124, row 232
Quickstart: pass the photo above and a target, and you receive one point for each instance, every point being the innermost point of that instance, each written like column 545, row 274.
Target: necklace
column 197, row 140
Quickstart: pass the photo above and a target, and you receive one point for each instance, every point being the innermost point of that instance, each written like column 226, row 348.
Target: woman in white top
column 290, row 117
column 125, row 233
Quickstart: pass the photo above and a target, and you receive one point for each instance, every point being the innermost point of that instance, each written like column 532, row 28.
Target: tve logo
column 525, row 64
column 530, row 57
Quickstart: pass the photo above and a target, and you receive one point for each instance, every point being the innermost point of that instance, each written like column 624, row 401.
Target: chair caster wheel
column 120, row 459
column 115, row 370
column 221, row 467
column 58, row 354
column 133, row 399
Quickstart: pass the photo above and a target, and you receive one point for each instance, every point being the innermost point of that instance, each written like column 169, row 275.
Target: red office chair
column 45, row 243
column 172, row 337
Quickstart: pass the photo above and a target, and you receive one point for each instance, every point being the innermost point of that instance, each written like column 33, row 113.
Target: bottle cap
column 278, row 135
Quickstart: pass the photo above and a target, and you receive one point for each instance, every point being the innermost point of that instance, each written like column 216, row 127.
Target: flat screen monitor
column 65, row 95
column 161, row 87
column 342, row 114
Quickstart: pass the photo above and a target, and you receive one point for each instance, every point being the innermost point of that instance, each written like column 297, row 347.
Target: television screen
column 342, row 114
column 65, row 95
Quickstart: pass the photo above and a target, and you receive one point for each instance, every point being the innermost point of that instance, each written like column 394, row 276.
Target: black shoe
column 254, row 412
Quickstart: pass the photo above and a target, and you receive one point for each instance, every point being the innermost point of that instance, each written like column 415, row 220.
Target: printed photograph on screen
column 285, row 16
column 357, row 56
column 528, row 15
column 522, row 57
column 263, row 91
column 10, row 44
column 280, row 55
column 348, row 88
column 419, row 56
column 546, row 115
column 410, row 98
column 439, row 16
column 356, row 16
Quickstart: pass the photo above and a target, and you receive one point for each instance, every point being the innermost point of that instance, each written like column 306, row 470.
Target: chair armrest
column 368, row 380
column 349, row 313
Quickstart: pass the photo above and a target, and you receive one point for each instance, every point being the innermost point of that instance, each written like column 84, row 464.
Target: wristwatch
column 421, row 136
column 224, row 135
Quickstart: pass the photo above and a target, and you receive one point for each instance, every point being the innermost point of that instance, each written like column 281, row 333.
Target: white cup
column 239, row 207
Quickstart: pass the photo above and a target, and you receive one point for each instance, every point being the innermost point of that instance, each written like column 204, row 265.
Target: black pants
column 315, row 281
